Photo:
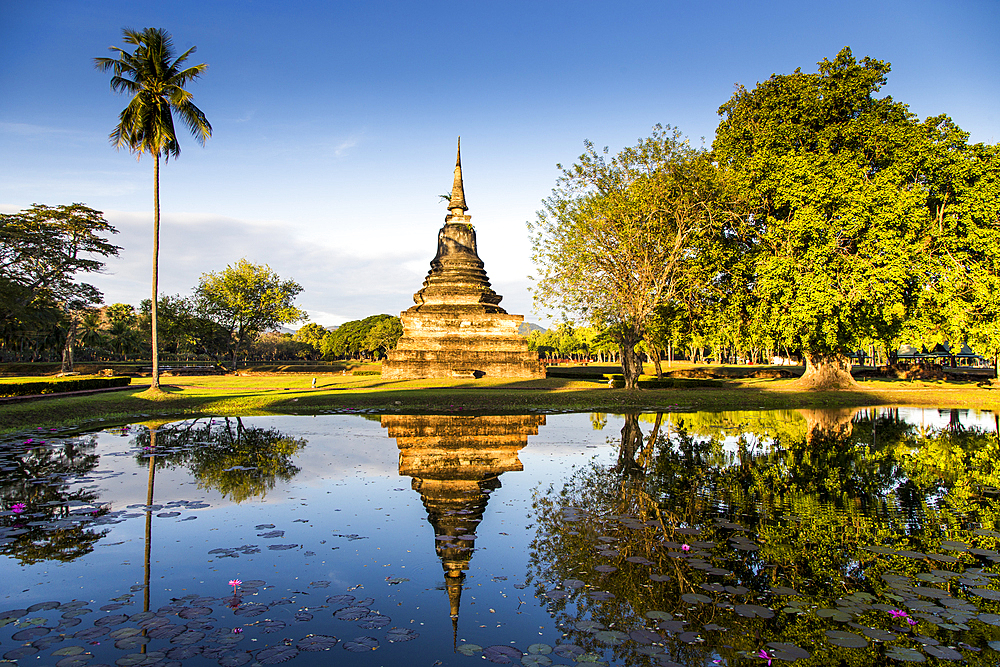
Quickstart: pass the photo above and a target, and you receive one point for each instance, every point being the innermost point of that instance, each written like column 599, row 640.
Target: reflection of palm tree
column 154, row 77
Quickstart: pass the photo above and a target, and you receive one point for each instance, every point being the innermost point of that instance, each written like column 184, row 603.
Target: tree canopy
column 837, row 220
column 247, row 300
column 617, row 236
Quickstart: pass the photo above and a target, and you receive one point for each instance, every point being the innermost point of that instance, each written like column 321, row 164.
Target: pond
column 732, row 538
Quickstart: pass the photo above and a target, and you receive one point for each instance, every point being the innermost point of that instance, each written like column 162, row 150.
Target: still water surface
column 692, row 539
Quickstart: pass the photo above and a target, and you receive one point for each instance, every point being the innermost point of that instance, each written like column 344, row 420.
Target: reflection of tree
column 782, row 507
column 239, row 461
column 41, row 479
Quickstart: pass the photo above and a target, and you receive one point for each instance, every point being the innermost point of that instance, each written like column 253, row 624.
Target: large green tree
column 155, row 78
column 247, row 300
column 617, row 236
column 838, row 184
column 42, row 249
column 963, row 304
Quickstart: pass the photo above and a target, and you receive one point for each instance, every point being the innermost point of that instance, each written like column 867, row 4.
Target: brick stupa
column 456, row 328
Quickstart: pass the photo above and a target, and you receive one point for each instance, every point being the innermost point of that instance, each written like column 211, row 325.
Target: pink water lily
column 687, row 547
column 17, row 508
column 764, row 655
column 910, row 621
column 235, row 584
column 897, row 613
column 237, row 631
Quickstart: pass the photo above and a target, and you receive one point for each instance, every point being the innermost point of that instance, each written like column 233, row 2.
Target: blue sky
column 335, row 123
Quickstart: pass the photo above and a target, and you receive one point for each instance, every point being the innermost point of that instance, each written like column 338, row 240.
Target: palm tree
column 155, row 79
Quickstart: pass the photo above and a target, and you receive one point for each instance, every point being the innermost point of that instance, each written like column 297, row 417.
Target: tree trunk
column 655, row 353
column 630, row 446
column 67, row 353
column 826, row 371
column 155, row 384
column 631, row 366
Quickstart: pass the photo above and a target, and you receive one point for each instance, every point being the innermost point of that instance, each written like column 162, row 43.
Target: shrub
column 60, row 385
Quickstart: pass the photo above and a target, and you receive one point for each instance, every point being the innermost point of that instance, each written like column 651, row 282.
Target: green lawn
column 285, row 393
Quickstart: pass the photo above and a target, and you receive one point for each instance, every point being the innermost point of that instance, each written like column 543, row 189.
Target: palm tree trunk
column 156, row 260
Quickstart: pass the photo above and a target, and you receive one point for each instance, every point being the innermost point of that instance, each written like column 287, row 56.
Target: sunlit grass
column 287, row 393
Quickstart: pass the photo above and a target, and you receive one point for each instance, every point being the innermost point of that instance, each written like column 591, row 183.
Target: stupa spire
column 457, row 204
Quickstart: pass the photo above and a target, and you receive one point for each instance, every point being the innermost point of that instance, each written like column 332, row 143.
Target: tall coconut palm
column 155, row 79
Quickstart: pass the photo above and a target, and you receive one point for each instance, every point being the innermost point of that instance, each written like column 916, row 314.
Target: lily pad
column 846, row 639
column 374, row 622
column 252, row 609
column 361, row 644
column 274, row 655
column 943, row 652
column 610, row 637
column 401, row 635
column 467, row 649
column 184, row 652
column 236, row 659
column 589, row 626
column 693, row 598
column 502, row 655
column 789, row 652
column 568, row 651
column 753, row 611
column 904, row 654
column 317, row 643
column 536, row 660
column 351, row 613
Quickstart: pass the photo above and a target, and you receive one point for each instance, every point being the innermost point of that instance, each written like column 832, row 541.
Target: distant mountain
column 527, row 327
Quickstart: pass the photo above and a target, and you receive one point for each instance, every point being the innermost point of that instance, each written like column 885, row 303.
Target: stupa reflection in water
column 455, row 462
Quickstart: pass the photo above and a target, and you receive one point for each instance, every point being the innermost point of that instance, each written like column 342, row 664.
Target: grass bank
column 284, row 393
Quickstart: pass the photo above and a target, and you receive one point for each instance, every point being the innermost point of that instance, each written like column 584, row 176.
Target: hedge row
column 366, row 372
column 60, row 385
column 644, row 382
column 575, row 374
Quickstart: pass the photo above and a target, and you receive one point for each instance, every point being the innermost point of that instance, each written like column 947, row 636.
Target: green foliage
column 370, row 337
column 618, row 236
column 383, row 336
column 156, row 80
column 841, row 189
column 246, row 300
column 312, row 335
column 59, row 385
column 42, row 251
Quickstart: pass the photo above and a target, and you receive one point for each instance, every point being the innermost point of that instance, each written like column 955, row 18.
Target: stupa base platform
column 461, row 363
